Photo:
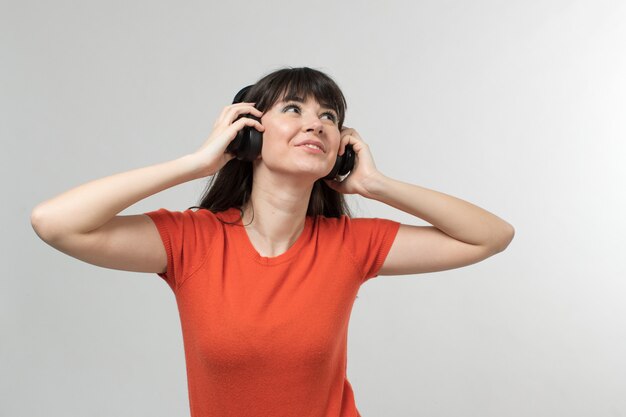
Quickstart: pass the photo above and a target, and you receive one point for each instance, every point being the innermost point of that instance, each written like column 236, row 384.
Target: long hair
column 231, row 186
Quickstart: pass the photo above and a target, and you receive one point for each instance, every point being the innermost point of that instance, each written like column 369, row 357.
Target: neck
column 275, row 214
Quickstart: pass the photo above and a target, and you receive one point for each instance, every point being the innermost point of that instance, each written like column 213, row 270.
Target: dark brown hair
column 231, row 186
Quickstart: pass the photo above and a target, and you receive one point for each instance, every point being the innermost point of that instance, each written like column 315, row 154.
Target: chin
column 298, row 166
column 315, row 170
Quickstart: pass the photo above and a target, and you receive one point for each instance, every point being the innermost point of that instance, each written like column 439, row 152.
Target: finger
column 342, row 146
column 230, row 106
column 231, row 117
column 235, row 110
column 232, row 111
column 246, row 121
column 246, row 106
column 249, row 110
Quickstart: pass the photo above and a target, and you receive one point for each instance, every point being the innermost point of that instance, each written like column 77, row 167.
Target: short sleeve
column 186, row 238
column 371, row 240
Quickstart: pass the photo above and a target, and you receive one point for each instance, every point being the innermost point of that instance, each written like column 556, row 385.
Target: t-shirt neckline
column 235, row 215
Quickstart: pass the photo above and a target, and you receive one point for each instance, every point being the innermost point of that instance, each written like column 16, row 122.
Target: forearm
column 89, row 206
column 453, row 216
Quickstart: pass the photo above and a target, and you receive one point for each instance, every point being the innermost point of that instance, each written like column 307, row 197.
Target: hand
column 364, row 168
column 211, row 156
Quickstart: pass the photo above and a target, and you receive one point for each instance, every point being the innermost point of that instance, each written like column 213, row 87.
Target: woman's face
column 291, row 122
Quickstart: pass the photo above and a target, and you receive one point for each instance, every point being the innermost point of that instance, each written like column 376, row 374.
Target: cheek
column 336, row 142
column 275, row 133
column 275, row 141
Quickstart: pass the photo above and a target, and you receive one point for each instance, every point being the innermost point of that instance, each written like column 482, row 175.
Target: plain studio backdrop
column 518, row 107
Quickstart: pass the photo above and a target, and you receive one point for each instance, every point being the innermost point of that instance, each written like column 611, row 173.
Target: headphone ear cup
column 343, row 164
column 256, row 144
column 247, row 145
column 347, row 162
column 333, row 172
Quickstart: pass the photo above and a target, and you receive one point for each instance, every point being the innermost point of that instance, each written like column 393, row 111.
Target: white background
column 518, row 107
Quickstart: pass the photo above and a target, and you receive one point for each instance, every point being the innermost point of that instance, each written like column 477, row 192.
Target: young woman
column 266, row 271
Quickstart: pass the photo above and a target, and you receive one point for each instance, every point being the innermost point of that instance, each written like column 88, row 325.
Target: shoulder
column 332, row 224
column 365, row 240
column 192, row 218
column 332, row 221
column 355, row 225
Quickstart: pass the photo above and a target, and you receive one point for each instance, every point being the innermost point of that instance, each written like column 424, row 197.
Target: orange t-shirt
column 267, row 336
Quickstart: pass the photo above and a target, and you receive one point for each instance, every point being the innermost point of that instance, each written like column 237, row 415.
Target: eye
column 331, row 115
column 292, row 106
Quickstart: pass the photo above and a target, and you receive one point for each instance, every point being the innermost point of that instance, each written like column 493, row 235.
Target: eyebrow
column 301, row 100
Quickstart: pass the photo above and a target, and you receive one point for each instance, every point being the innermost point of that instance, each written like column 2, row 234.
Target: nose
column 313, row 124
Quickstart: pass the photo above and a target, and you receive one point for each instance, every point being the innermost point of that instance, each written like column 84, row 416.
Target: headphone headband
column 241, row 94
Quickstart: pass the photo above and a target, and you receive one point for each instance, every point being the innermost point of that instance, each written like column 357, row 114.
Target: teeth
column 309, row 145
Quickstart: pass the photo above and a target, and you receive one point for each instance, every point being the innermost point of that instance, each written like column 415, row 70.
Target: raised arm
column 461, row 233
column 84, row 222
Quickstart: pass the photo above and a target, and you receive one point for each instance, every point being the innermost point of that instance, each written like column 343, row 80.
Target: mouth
column 312, row 146
column 309, row 147
column 312, row 143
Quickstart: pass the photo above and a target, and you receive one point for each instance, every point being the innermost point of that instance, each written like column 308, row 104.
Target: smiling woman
column 281, row 95
column 267, row 270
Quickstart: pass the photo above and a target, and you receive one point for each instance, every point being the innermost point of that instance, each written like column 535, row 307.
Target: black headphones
column 246, row 146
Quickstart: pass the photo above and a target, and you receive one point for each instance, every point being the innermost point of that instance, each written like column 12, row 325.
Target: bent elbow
column 507, row 236
column 40, row 225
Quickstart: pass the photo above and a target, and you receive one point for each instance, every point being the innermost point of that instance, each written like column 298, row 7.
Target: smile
column 311, row 148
